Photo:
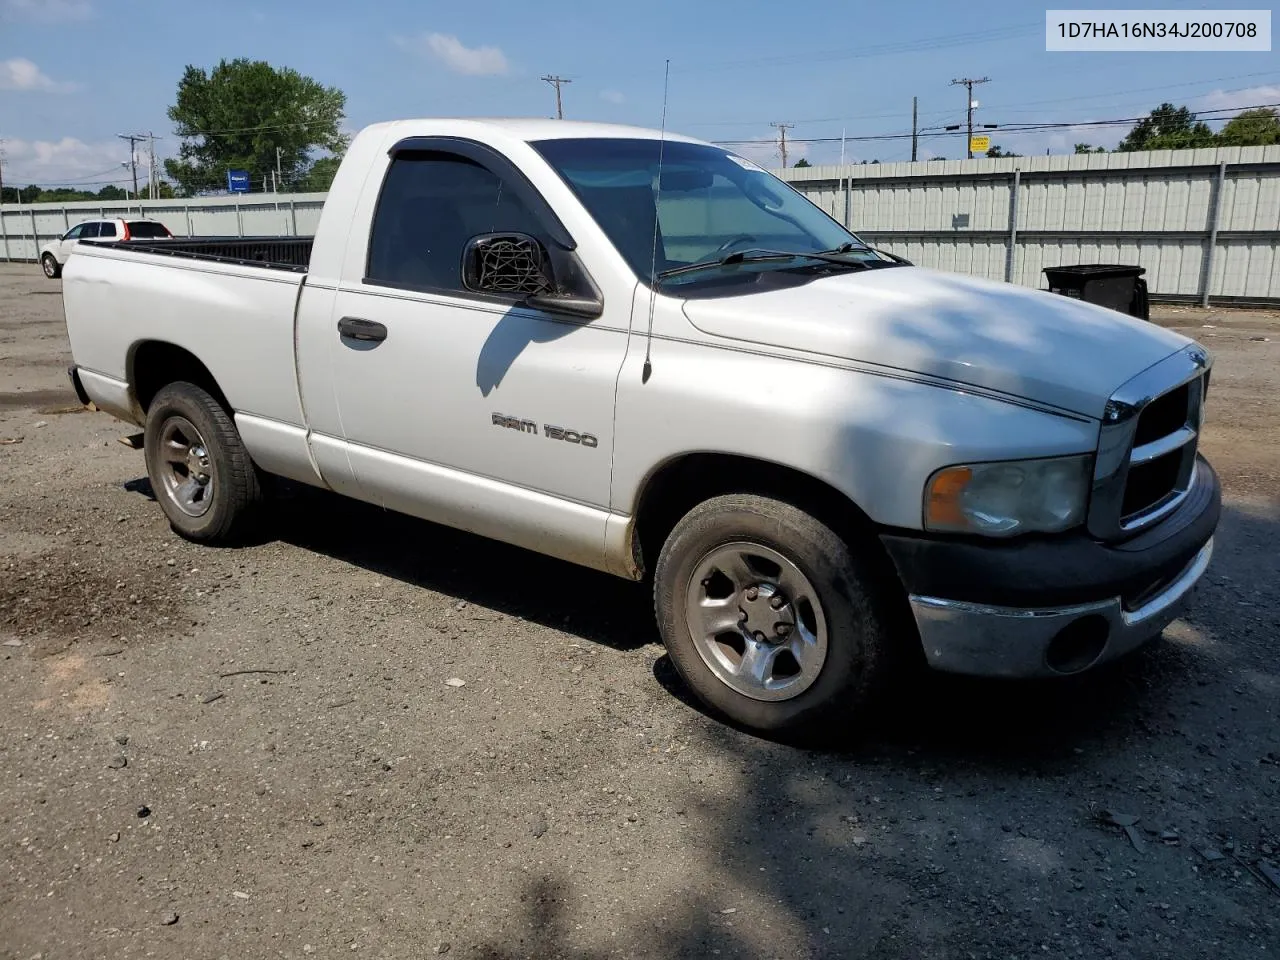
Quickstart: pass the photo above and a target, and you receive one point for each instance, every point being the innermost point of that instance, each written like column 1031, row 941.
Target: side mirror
column 517, row 263
column 506, row 263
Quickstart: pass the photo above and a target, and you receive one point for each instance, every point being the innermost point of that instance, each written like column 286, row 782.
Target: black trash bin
column 1108, row 285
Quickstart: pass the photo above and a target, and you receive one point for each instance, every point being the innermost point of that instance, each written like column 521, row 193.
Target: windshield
column 148, row 230
column 712, row 203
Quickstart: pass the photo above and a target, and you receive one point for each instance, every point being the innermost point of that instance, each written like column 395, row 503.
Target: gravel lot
column 254, row 752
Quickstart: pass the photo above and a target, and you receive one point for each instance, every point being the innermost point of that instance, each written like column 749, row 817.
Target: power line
column 1013, row 128
column 258, row 129
column 1012, row 107
column 557, row 82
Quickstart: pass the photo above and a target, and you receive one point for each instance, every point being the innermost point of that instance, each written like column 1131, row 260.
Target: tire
column 219, row 508
column 836, row 611
column 52, row 268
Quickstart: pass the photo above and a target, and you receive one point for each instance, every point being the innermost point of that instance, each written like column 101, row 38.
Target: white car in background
column 55, row 253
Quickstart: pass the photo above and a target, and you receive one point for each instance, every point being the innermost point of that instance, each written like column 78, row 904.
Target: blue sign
column 238, row 181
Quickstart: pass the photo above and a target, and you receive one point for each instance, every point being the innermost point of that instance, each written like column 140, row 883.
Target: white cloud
column 1236, row 99
column 54, row 162
column 21, row 74
column 457, row 56
column 612, row 96
column 46, row 11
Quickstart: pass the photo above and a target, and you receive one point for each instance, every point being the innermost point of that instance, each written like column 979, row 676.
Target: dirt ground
column 254, row 752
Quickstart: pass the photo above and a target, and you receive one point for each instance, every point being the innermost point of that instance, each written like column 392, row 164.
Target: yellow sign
column 980, row 144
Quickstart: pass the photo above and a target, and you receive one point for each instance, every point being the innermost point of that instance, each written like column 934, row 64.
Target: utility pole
column 133, row 138
column 915, row 130
column 279, row 174
column 153, row 178
column 782, row 129
column 968, row 85
column 557, row 82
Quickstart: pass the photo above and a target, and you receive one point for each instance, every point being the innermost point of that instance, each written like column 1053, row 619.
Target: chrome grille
column 1147, row 445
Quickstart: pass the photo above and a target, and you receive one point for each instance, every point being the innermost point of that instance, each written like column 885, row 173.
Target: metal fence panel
column 23, row 229
column 1204, row 223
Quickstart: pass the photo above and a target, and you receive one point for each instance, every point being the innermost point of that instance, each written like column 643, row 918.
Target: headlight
column 1004, row 499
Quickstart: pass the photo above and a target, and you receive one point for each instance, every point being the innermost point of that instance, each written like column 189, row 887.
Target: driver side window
column 74, row 233
column 431, row 204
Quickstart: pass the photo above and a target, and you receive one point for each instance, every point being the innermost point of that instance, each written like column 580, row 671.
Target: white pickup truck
column 646, row 355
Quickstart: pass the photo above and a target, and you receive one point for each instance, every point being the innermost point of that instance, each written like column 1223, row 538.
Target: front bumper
column 1054, row 605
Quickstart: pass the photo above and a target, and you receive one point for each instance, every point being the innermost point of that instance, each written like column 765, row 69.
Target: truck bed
column 276, row 253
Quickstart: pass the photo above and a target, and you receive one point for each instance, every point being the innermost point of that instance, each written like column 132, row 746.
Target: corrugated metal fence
column 24, row 228
column 1204, row 223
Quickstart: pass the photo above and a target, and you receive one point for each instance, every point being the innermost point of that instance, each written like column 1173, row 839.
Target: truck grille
column 1147, row 446
column 1150, row 483
column 1163, row 415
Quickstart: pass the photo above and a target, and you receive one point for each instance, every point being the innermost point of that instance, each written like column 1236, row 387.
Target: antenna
column 653, row 260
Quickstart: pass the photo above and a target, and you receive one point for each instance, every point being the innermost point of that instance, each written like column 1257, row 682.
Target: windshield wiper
column 759, row 256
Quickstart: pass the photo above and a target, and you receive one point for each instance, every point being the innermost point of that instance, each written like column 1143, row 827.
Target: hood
column 1032, row 344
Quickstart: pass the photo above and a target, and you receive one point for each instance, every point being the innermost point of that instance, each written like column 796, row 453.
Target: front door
column 68, row 241
column 472, row 409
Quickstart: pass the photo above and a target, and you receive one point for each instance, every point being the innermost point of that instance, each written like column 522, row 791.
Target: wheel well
column 677, row 487
column 155, row 364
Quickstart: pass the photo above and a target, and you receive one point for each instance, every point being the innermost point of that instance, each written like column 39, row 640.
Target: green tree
column 238, row 115
column 29, row 194
column 995, row 151
column 1168, row 128
column 111, row 192
column 320, row 177
column 1089, row 148
column 1251, row 128
column 802, row 162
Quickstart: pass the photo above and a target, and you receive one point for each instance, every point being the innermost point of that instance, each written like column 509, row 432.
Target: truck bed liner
column 276, row 253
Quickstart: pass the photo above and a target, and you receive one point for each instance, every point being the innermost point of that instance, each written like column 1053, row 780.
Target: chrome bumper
column 960, row 637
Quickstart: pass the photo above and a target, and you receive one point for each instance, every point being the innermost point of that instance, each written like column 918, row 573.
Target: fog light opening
column 1078, row 645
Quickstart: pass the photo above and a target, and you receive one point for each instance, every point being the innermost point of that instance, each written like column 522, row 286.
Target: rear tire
column 202, row 475
column 815, row 647
column 52, row 268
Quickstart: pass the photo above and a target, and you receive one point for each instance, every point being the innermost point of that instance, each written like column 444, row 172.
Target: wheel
column 52, row 268
column 201, row 474
column 770, row 617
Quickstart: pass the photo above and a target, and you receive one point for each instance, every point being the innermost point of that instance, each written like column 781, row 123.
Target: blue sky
column 74, row 73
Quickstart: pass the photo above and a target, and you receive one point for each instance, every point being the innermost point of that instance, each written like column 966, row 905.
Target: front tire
column 52, row 268
column 201, row 474
column 770, row 617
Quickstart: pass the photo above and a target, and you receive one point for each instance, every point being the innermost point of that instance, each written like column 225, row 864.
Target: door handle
column 356, row 328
